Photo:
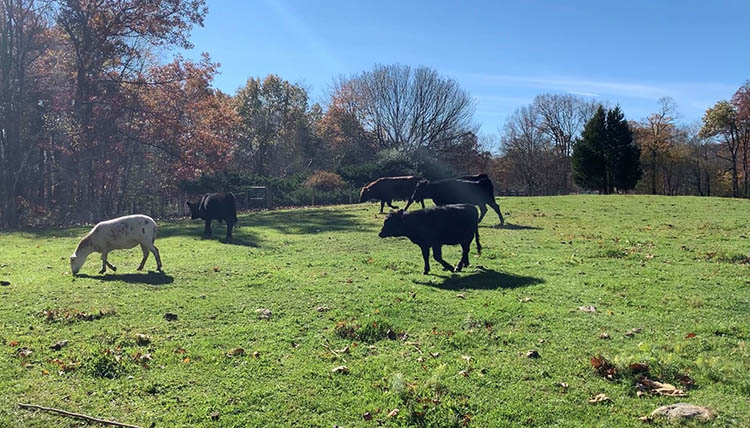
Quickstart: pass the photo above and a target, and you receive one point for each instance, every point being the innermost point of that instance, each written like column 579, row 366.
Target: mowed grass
column 444, row 349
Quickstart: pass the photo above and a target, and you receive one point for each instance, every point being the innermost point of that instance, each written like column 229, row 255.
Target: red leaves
column 604, row 368
column 690, row 335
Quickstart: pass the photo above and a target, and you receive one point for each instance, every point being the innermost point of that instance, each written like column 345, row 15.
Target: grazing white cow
column 117, row 234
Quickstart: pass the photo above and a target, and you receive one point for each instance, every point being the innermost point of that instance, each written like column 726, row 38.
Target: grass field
column 444, row 349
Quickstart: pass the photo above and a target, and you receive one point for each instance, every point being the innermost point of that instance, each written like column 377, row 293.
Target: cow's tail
column 233, row 206
column 476, row 237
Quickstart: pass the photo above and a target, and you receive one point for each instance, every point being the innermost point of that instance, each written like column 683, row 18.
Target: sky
column 503, row 53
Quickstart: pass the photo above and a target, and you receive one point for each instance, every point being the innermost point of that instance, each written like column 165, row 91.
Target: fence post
column 269, row 204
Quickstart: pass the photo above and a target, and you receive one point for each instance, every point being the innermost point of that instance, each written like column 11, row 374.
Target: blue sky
column 503, row 53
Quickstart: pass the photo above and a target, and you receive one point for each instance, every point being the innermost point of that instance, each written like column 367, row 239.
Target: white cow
column 117, row 234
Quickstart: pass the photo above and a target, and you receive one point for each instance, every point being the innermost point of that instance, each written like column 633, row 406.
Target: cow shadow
column 308, row 221
column 510, row 226
column 150, row 278
column 482, row 279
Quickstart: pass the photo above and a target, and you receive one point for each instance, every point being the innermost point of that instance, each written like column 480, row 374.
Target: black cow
column 215, row 206
column 435, row 227
column 388, row 189
column 457, row 191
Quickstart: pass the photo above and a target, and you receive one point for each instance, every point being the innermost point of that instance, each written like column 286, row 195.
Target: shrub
column 324, row 180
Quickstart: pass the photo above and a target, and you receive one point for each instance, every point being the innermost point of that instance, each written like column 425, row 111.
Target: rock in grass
column 264, row 314
column 684, row 411
column 170, row 316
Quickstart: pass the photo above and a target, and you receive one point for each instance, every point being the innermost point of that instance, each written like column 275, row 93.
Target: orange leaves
column 604, row 368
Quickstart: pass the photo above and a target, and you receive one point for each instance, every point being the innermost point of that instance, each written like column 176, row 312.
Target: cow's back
column 394, row 188
column 219, row 206
column 448, row 224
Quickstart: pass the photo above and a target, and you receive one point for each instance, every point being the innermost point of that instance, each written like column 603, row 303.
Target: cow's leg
column 422, row 202
column 382, row 204
column 482, row 212
column 106, row 264
column 144, row 249
column 230, row 225
column 464, row 256
column 426, row 257
column 391, row 205
column 496, row 207
column 156, row 256
column 207, row 229
column 437, row 254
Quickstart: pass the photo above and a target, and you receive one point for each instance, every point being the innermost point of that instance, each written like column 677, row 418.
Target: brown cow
column 388, row 189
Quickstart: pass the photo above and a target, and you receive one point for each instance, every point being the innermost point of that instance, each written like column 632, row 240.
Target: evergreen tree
column 625, row 155
column 588, row 153
column 605, row 157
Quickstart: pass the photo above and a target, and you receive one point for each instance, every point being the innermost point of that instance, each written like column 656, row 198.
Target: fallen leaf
column 186, row 360
column 633, row 331
column 603, row 367
column 460, row 296
column 466, row 358
column 216, row 269
column 264, row 314
column 24, row 352
column 588, row 308
column 170, row 316
column 256, row 354
column 367, row 416
column 45, row 372
column 214, row 416
column 322, row 309
column 525, row 300
column 393, row 413
column 464, row 373
column 638, row 367
column 13, row 343
column 690, row 335
column 344, row 350
column 179, row 351
column 599, row 398
column 564, row 386
column 340, row 370
column 604, row 336
column 142, row 339
column 59, row 345
column 532, row 354
column 658, row 388
column 235, row 352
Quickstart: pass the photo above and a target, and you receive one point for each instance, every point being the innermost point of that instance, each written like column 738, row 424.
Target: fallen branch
column 75, row 415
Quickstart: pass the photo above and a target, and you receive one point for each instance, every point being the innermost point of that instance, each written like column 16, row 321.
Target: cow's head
column 365, row 194
column 393, row 225
column 194, row 210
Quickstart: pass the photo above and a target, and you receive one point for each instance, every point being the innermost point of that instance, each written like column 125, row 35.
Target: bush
column 324, row 180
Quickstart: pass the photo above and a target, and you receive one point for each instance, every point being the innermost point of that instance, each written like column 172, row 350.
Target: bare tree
column 656, row 135
column 407, row 109
column 527, row 150
column 561, row 119
column 22, row 42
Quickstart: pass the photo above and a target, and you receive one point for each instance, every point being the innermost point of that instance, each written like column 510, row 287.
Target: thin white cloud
column 598, row 88
column 304, row 33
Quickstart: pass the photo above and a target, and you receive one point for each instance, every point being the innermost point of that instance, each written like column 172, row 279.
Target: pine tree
column 625, row 164
column 605, row 157
column 588, row 154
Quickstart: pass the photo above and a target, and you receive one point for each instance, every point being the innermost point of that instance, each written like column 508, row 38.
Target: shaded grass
column 671, row 266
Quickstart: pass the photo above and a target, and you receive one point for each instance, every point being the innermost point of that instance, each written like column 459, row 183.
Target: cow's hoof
column 113, row 268
column 426, row 272
column 102, row 271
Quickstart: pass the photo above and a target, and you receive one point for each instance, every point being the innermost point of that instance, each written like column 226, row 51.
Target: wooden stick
column 75, row 415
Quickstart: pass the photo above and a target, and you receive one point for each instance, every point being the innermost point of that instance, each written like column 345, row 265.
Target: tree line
column 95, row 123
